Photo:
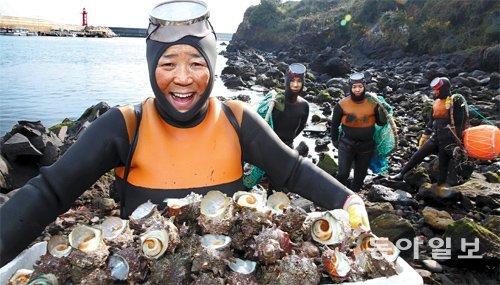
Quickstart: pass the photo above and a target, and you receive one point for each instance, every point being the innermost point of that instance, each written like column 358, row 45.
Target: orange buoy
column 482, row 142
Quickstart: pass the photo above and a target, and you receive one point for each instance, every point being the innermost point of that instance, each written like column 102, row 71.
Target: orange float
column 482, row 142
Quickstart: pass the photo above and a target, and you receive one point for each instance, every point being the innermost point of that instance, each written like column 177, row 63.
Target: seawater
column 53, row 78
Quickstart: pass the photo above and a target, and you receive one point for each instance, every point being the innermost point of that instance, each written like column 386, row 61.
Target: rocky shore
column 448, row 239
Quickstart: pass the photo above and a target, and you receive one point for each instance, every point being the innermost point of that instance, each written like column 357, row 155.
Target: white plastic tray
column 406, row 274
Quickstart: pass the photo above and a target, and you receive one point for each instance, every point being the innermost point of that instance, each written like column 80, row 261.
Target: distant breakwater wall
column 142, row 33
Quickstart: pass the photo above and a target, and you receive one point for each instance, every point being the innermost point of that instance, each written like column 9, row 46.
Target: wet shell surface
column 378, row 247
column 112, row 227
column 331, row 227
column 85, row 238
column 215, row 241
column 249, row 199
column 21, row 277
column 278, row 201
column 58, row 246
column 214, row 204
column 119, row 267
column 154, row 243
column 242, row 266
column 336, row 263
column 143, row 211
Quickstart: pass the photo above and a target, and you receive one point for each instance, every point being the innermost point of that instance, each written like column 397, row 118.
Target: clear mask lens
column 179, row 12
column 297, row 68
column 436, row 83
column 357, row 76
column 174, row 19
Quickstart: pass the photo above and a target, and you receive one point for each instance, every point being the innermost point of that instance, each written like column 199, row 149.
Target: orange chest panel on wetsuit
column 167, row 157
column 357, row 115
column 439, row 110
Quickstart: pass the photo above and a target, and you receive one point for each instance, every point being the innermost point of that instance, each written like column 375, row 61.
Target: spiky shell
column 171, row 269
column 373, row 264
column 20, row 277
column 49, row 264
column 216, row 213
column 210, row 257
column 336, row 263
column 97, row 276
column 293, row 270
column 292, row 222
column 185, row 210
column 331, row 227
column 145, row 217
column 58, row 246
column 117, row 233
column 207, row 278
column 128, row 264
column 272, row 244
column 234, row 278
column 309, row 249
column 89, row 251
column 278, row 202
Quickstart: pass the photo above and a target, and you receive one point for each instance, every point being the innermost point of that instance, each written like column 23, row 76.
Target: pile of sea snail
column 214, row 239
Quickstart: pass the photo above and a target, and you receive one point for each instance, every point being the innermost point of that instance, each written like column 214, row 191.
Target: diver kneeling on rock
column 181, row 141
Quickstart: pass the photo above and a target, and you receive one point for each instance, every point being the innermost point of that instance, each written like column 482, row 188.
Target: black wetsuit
column 356, row 142
column 289, row 123
column 442, row 140
column 106, row 143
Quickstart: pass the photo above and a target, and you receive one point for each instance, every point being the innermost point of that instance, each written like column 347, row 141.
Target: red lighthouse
column 84, row 18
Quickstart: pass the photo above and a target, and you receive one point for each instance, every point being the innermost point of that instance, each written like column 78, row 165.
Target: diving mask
column 296, row 69
column 175, row 19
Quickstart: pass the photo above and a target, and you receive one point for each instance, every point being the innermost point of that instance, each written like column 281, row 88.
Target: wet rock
column 327, row 163
column 481, row 241
column 437, row 219
column 19, row 145
column 432, row 265
column 376, row 209
column 417, row 177
column 492, row 223
column 492, row 177
column 380, row 193
column 393, row 227
column 303, row 149
column 475, row 187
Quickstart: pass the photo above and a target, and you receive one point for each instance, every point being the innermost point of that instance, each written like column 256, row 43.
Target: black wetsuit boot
column 429, row 147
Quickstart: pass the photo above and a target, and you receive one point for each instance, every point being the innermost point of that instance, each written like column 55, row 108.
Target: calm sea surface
column 52, row 78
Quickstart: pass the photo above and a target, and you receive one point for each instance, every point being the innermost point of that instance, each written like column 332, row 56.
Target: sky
column 225, row 15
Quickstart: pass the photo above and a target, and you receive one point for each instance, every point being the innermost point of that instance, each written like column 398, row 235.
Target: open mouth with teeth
column 182, row 99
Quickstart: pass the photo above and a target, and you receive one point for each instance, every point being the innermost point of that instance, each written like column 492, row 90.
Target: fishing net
column 385, row 138
column 251, row 173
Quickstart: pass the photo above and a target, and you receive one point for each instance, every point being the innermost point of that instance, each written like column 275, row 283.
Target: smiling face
column 357, row 89
column 182, row 74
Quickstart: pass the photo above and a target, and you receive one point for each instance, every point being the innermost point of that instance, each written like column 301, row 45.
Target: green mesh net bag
column 251, row 173
column 385, row 137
